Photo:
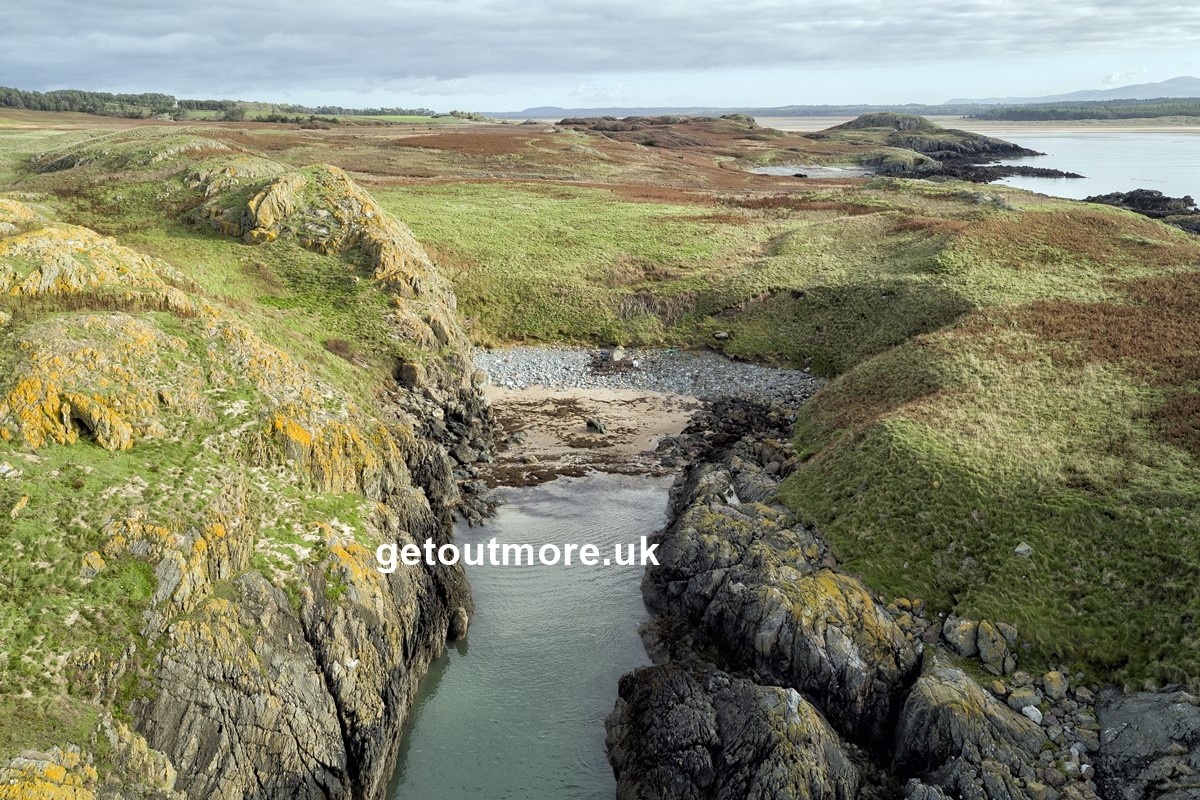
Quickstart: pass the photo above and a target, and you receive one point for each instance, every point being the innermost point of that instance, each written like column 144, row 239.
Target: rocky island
column 948, row 554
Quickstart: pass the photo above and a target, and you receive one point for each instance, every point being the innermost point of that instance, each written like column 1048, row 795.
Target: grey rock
column 992, row 647
column 691, row 734
column 961, row 635
column 1145, row 738
column 757, row 590
column 597, row 425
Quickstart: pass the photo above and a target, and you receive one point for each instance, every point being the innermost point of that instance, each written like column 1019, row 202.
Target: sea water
column 517, row 711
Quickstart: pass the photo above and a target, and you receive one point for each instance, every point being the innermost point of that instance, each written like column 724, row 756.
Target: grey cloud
column 218, row 44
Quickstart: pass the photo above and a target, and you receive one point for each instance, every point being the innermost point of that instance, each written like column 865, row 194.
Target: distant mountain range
column 1183, row 86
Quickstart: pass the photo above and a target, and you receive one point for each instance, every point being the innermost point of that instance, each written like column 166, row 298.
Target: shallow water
column 1110, row 160
column 518, row 711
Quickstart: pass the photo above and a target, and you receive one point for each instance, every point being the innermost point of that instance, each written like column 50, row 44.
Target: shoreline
column 543, row 398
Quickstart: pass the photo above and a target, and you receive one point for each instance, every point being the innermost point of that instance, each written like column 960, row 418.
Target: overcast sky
column 498, row 55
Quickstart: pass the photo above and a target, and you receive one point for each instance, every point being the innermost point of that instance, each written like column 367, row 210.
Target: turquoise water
column 518, row 710
column 1111, row 161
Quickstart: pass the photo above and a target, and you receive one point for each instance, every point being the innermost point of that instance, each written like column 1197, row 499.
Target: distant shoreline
column 989, row 126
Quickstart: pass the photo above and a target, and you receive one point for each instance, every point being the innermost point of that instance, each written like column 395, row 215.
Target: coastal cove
column 517, row 710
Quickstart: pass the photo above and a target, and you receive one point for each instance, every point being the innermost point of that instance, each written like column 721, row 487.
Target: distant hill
column 1183, row 86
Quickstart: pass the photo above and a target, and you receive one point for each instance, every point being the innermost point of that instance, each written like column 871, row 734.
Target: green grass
column 553, row 263
column 926, row 466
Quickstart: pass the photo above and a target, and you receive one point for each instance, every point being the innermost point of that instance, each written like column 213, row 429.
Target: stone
column 698, row 733
column 412, row 375
column 721, row 336
column 1033, row 713
column 459, row 623
column 992, row 647
column 1009, row 632
column 617, row 355
column 1054, row 684
column 597, row 425
column 1024, row 549
column 961, row 635
column 1023, row 696
column 948, row 724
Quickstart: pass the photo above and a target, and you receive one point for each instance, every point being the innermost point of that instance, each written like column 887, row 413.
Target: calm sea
column 518, row 711
column 1111, row 161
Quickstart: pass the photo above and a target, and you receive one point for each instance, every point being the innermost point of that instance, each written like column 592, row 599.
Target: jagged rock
column 961, row 635
column 755, row 587
column 682, row 735
column 1149, row 746
column 596, row 424
column 952, row 734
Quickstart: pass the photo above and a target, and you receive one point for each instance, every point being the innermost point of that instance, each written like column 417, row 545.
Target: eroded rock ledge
column 777, row 675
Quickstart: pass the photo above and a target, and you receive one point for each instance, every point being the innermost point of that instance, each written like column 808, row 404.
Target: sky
column 501, row 55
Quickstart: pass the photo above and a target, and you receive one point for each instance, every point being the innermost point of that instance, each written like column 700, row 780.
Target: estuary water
column 517, row 711
column 1111, row 161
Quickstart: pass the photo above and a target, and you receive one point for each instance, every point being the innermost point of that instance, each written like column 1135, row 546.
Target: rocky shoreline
column 777, row 675
column 1178, row 211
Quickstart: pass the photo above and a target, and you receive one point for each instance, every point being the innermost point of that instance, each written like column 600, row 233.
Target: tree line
column 149, row 104
column 1095, row 109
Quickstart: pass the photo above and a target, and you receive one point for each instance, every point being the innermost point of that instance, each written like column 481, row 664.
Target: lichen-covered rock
column 101, row 377
column 687, row 735
column 952, row 734
column 961, row 635
column 752, row 583
column 267, row 657
column 66, row 259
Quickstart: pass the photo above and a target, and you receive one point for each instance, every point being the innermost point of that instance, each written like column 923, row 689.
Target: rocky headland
column 268, row 657
column 914, row 147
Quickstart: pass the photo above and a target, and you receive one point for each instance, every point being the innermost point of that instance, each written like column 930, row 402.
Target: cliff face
column 776, row 675
column 220, row 629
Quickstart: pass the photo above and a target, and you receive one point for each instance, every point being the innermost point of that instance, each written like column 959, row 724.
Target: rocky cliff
column 777, row 675
column 205, row 504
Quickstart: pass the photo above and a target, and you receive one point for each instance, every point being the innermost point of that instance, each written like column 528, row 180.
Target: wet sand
column 554, row 439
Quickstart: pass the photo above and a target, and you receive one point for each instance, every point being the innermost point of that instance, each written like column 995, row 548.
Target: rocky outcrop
column 322, row 209
column 1149, row 745
column 955, row 736
column 688, row 735
column 914, row 147
column 751, row 605
column 756, row 585
column 269, row 658
column 1178, row 211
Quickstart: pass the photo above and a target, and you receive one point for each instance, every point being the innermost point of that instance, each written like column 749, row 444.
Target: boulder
column 953, row 735
column 992, row 647
column 961, row 635
column 1055, row 685
column 685, row 734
